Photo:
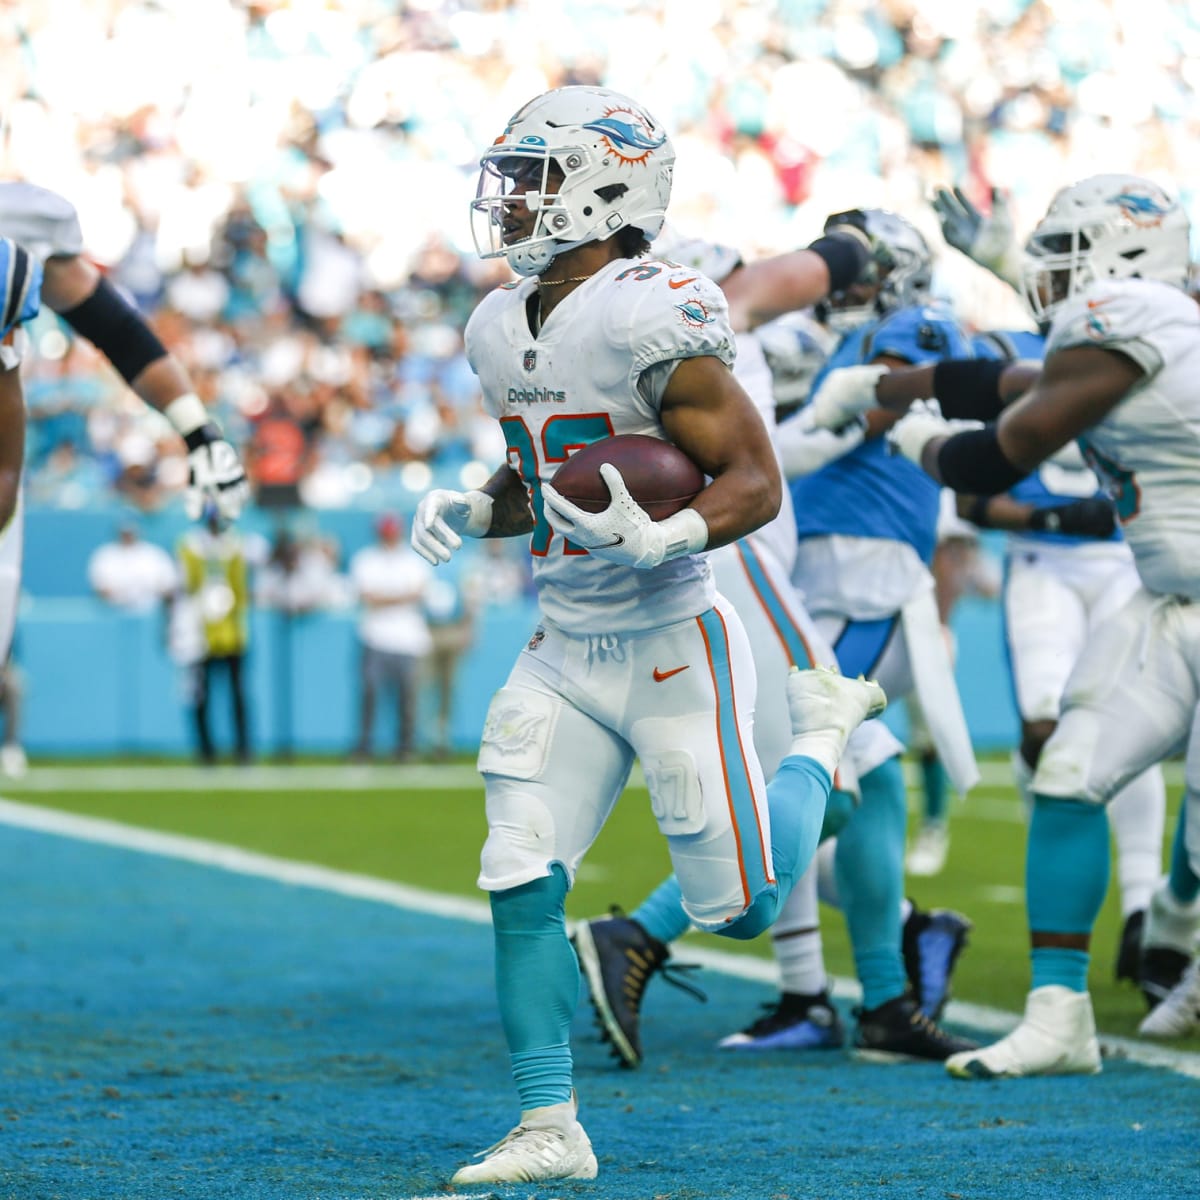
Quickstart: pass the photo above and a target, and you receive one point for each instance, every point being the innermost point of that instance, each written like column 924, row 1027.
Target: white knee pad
column 522, row 840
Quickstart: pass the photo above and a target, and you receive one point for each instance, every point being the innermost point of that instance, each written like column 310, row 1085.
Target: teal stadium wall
column 100, row 683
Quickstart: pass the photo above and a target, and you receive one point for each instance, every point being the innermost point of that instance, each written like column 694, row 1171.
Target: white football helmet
column 615, row 162
column 1104, row 227
column 898, row 275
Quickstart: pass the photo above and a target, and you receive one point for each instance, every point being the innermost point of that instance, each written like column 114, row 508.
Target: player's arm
column 1087, row 517
column 760, row 291
column 709, row 416
column 1078, row 387
column 80, row 294
column 965, row 389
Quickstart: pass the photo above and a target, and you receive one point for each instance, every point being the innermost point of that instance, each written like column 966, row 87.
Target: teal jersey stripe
column 794, row 644
column 752, row 856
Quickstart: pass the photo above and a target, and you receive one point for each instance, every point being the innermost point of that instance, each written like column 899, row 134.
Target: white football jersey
column 43, row 222
column 598, row 367
column 777, row 537
column 1147, row 449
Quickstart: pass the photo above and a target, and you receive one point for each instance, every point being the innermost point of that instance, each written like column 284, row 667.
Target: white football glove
column 988, row 240
column 923, row 422
column 804, row 449
column 624, row 532
column 844, row 395
column 443, row 517
column 215, row 473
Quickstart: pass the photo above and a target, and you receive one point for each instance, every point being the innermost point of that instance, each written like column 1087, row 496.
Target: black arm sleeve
column 973, row 462
column 117, row 330
column 969, row 388
column 845, row 255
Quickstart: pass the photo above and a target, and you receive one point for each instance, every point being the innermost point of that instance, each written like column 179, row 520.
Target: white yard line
column 366, row 887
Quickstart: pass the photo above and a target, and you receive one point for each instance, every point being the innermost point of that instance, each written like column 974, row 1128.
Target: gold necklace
column 559, row 282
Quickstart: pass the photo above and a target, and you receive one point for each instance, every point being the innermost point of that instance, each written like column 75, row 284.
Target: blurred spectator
column 215, row 579
column 392, row 583
column 451, row 629
column 277, row 457
column 130, row 573
column 301, row 576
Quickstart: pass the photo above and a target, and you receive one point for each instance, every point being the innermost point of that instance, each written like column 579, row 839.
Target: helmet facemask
column 575, row 165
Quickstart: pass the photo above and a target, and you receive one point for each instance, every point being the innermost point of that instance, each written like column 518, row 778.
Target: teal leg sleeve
column 1066, row 876
column 537, row 981
column 839, row 809
column 937, row 792
column 796, row 799
column 1181, row 879
column 869, row 868
column 661, row 914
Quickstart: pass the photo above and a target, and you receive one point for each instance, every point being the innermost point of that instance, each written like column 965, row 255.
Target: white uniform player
column 47, row 226
column 635, row 653
column 1121, row 363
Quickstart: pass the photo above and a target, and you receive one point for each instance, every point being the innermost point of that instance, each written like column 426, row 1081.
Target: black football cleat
column 899, row 1031
column 932, row 943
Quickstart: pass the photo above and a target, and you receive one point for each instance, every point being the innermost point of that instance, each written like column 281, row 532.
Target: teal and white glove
column 624, row 532
column 844, row 395
column 443, row 517
column 923, row 422
column 988, row 240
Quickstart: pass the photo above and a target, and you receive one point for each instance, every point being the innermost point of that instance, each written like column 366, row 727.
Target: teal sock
column 1182, row 880
column 869, row 868
column 1066, row 865
column 537, row 983
column 1054, row 964
column 661, row 914
column 796, row 799
column 937, row 792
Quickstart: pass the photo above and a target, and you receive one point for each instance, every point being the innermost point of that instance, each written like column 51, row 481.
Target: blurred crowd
column 282, row 186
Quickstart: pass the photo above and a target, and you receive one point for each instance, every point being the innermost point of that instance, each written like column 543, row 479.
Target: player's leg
column 1130, row 701
column 931, row 842
column 1136, row 816
column 621, row 954
column 12, row 539
column 235, row 665
column 553, row 773
column 869, row 864
column 369, row 683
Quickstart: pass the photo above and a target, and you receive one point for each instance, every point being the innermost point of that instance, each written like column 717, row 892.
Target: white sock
column 796, row 936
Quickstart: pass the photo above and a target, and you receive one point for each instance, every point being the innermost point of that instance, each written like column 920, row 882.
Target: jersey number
column 560, row 435
column 1120, row 484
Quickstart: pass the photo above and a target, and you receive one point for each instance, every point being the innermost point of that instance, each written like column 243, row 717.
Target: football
column 659, row 476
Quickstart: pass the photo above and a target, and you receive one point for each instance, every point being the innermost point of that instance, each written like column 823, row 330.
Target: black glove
column 1090, row 518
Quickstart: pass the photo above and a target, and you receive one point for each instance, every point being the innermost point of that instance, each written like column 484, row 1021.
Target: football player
column 621, row 954
column 21, row 276
column 1105, row 274
column 47, row 227
column 636, row 653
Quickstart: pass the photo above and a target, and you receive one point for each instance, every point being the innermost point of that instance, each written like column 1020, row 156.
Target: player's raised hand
column 442, row 519
column 987, row 238
column 624, row 532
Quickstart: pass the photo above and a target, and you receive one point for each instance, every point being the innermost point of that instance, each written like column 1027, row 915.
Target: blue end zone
column 174, row 1030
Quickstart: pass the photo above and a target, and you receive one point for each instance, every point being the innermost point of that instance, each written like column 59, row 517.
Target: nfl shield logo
column 530, row 360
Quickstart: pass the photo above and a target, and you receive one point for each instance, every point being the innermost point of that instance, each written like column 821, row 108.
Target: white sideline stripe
column 366, row 887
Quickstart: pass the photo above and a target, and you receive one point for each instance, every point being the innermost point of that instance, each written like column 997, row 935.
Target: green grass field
column 424, row 828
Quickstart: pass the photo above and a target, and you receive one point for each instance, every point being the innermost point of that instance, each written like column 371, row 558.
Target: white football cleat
column 1057, row 1036
column 549, row 1143
column 1178, row 1013
column 12, row 761
column 927, row 854
column 826, row 708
